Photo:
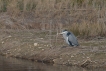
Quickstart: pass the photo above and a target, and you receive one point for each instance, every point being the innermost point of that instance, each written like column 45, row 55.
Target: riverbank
column 39, row 46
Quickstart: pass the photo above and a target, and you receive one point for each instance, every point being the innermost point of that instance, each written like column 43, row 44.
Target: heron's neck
column 64, row 36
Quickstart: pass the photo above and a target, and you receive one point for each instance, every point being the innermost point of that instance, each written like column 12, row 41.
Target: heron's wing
column 72, row 39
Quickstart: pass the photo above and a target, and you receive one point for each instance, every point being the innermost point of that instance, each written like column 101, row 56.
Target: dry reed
column 83, row 17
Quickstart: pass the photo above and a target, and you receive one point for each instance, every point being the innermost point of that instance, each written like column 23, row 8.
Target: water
column 13, row 64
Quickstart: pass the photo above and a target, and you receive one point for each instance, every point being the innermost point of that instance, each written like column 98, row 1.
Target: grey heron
column 70, row 38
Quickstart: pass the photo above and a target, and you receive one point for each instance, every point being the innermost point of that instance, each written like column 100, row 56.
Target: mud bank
column 34, row 45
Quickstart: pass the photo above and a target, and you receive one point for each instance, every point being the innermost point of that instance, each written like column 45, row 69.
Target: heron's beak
column 59, row 33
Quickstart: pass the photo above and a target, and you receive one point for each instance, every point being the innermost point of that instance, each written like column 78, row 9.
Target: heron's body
column 70, row 38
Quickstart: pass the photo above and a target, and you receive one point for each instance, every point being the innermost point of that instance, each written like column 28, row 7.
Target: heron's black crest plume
column 64, row 30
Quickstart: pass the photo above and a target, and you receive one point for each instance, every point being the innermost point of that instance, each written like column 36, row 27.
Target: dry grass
column 88, row 30
column 83, row 17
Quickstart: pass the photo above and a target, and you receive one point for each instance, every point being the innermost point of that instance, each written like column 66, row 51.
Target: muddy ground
column 40, row 46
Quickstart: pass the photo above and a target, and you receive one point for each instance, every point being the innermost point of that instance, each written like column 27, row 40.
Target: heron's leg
column 64, row 45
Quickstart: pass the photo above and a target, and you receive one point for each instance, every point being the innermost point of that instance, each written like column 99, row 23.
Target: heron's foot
column 63, row 46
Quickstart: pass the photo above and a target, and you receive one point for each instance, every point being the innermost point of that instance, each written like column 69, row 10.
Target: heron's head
column 64, row 32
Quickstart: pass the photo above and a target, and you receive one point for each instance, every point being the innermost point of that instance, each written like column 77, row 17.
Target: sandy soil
column 40, row 46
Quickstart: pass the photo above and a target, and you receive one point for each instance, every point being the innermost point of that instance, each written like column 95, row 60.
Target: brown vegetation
column 83, row 17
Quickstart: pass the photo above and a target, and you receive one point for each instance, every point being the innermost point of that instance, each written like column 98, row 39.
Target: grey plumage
column 70, row 38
